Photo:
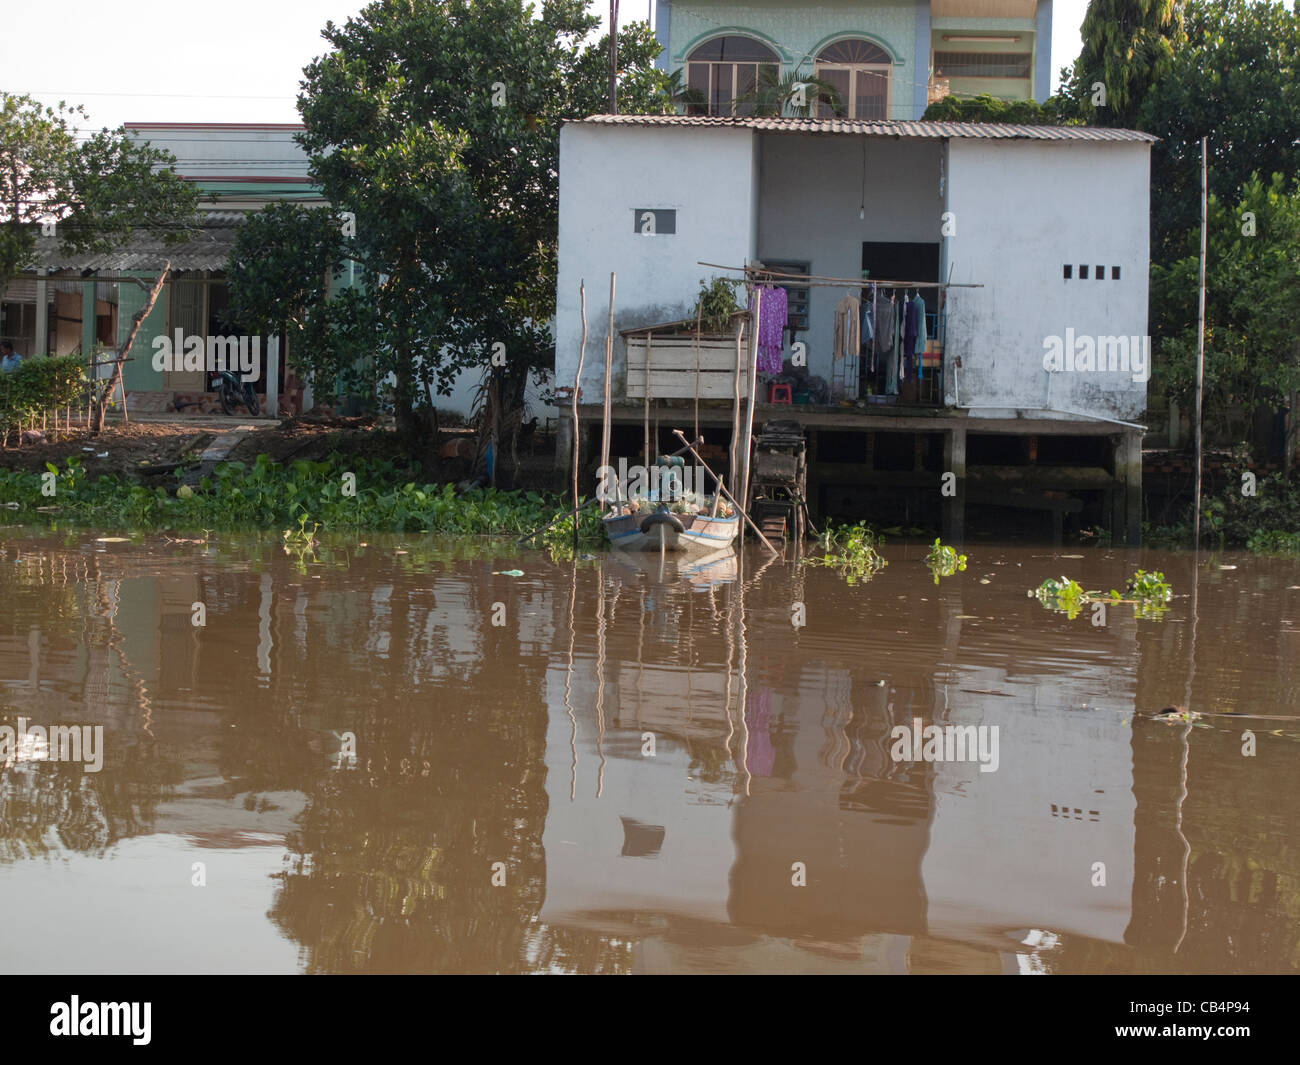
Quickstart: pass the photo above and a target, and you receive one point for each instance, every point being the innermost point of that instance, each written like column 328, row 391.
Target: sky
column 240, row 61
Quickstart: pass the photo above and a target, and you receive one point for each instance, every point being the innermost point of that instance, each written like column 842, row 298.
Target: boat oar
column 757, row 531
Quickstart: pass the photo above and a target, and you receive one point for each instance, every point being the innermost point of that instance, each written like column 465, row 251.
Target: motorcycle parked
column 231, row 390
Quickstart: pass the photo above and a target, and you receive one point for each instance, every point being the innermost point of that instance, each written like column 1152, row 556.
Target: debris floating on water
column 507, row 573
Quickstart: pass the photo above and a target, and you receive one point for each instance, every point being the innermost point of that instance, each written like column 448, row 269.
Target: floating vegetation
column 1148, row 592
column 851, row 551
column 944, row 561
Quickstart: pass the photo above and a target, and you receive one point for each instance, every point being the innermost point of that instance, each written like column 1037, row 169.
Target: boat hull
column 661, row 531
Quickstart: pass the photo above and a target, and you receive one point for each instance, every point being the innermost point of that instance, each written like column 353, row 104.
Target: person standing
column 10, row 360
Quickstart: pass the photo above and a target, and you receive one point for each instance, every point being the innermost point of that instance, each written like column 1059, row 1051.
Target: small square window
column 1100, row 275
column 1083, row 272
column 1114, row 273
column 1067, row 271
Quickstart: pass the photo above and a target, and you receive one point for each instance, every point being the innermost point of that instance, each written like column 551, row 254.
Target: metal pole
column 1200, row 351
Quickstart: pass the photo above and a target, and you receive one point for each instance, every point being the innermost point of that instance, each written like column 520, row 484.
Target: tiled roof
column 863, row 127
column 208, row 249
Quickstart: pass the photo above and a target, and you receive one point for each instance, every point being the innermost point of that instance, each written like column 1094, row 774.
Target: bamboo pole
column 1200, row 355
column 735, row 408
column 718, row 480
column 752, row 365
column 645, row 400
column 577, row 381
column 609, row 362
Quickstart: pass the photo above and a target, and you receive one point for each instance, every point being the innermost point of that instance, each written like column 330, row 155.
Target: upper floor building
column 887, row 59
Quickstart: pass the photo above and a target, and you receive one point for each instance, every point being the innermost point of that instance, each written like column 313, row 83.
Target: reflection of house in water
column 897, row 856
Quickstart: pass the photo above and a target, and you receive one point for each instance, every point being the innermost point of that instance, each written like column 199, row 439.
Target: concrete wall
column 1023, row 210
column 606, row 173
column 811, row 193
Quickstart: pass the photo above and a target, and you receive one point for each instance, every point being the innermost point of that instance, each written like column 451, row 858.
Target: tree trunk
column 101, row 407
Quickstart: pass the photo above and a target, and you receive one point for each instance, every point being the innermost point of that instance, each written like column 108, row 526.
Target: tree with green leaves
column 435, row 126
column 1235, row 79
column 1127, row 45
column 94, row 193
column 1252, row 357
column 987, row 108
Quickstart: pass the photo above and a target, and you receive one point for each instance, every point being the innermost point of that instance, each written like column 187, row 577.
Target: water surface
column 617, row 767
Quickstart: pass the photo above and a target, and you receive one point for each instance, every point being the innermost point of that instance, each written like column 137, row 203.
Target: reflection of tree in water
column 392, row 864
column 89, row 812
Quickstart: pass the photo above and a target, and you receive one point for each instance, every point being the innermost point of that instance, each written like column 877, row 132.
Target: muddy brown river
column 392, row 755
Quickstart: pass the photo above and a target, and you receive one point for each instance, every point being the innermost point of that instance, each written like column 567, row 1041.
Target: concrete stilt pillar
column 564, row 440
column 954, row 505
column 1126, row 493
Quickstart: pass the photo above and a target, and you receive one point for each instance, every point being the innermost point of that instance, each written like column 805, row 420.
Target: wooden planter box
column 673, row 363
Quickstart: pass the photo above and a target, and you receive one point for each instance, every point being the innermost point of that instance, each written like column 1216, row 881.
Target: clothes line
column 818, row 281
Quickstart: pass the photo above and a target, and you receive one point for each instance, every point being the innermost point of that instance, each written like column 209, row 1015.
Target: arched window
column 859, row 71
column 727, row 69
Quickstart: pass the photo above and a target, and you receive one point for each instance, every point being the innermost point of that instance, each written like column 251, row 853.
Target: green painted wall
column 140, row 373
column 799, row 32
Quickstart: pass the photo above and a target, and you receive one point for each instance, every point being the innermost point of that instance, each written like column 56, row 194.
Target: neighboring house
column 78, row 303
column 1012, row 235
column 887, row 58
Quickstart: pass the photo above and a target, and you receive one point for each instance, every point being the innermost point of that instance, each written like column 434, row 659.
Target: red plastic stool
column 779, row 393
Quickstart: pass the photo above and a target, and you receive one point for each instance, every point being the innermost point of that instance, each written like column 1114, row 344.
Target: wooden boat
column 662, row 530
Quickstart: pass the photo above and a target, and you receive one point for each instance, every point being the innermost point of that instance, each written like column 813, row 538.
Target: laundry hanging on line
column 771, row 326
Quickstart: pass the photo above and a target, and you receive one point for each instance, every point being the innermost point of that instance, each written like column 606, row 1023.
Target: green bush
column 40, row 386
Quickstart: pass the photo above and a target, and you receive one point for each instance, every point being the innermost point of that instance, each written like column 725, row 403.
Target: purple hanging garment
column 771, row 328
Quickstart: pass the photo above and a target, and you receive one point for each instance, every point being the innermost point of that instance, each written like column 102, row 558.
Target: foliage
column 99, row 187
column 280, row 270
column 716, row 303
column 794, row 95
column 1127, row 46
column 987, row 108
column 850, row 550
column 1275, row 542
column 1252, row 289
column 1063, row 594
column 1149, row 592
column 1235, row 79
column 436, row 126
column 558, row 539
column 1269, row 516
column 302, row 494
column 39, row 386
column 944, row 561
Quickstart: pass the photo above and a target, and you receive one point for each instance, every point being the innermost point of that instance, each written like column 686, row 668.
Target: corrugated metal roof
column 863, row 127
column 208, row 249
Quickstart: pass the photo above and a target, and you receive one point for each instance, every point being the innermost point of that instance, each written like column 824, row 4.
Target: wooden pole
column 609, row 363
column 733, row 458
column 645, row 402
column 1200, row 353
column 577, row 382
column 718, row 480
column 752, row 364
column 614, row 56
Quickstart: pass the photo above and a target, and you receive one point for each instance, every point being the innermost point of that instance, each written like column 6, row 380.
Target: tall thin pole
column 609, row 362
column 613, row 57
column 577, row 436
column 1200, row 350
column 751, row 360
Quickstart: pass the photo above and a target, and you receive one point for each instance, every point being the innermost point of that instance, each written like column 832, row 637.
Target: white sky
column 239, row 61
